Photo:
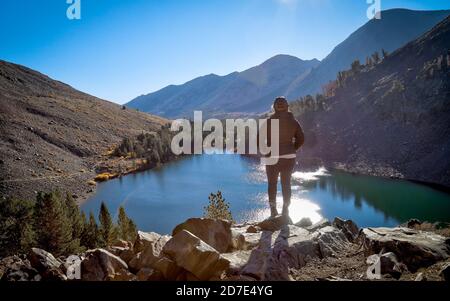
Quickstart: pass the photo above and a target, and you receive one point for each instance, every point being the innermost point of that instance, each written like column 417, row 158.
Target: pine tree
column 91, row 233
column 52, row 225
column 218, row 208
column 126, row 227
column 107, row 229
column 17, row 235
column 76, row 222
column 123, row 223
column 132, row 230
column 376, row 57
column 384, row 53
column 356, row 66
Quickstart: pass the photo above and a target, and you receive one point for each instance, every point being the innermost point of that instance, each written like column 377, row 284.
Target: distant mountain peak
column 253, row 90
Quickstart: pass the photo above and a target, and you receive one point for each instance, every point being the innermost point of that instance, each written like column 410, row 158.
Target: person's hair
column 279, row 99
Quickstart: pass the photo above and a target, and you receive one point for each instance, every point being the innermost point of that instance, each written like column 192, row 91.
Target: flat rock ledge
column 274, row 249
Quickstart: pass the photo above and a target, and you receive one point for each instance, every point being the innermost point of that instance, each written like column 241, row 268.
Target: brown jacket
column 291, row 136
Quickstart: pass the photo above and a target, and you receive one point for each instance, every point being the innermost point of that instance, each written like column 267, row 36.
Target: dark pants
column 284, row 167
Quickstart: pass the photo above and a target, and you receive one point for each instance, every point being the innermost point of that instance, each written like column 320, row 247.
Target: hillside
column 52, row 136
column 250, row 91
column 390, row 120
column 396, row 28
column 253, row 90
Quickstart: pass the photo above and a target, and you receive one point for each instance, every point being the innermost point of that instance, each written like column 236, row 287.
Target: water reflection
column 369, row 201
column 161, row 198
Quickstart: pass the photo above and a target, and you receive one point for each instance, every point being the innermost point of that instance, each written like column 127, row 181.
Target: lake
column 159, row 199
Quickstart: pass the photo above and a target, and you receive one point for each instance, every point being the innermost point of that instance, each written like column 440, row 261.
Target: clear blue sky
column 122, row 48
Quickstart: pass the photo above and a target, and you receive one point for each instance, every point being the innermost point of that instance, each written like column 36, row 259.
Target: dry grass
column 105, row 177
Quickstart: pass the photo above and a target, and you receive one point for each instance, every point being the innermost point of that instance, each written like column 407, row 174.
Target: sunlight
column 310, row 176
column 300, row 208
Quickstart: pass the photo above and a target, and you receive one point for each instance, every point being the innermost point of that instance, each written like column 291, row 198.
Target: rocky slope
column 396, row 28
column 207, row 249
column 391, row 120
column 252, row 90
column 52, row 136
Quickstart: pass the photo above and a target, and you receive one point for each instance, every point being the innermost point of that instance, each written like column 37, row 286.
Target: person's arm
column 299, row 137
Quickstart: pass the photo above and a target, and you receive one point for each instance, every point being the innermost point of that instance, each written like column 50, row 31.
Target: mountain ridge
column 391, row 120
column 53, row 136
column 219, row 91
column 219, row 97
column 373, row 36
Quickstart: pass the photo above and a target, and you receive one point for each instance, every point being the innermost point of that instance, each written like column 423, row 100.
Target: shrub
column 105, row 177
column 218, row 208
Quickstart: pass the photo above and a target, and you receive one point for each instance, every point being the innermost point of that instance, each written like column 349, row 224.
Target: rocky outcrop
column 47, row 265
column 414, row 248
column 388, row 264
column 101, row 265
column 195, row 256
column 15, row 268
column 148, row 247
column 249, row 252
column 216, row 233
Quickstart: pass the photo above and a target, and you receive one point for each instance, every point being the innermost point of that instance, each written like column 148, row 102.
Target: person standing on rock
column 291, row 138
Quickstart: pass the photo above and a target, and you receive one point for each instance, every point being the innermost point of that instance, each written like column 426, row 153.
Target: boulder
column 237, row 260
column 292, row 247
column 147, row 274
column 125, row 253
column 331, row 241
column 277, row 252
column 348, row 227
column 150, row 253
column 14, row 268
column 414, row 248
column 304, row 222
column 244, row 240
column 47, row 265
column 101, row 265
column 215, row 232
column 143, row 240
column 195, row 256
column 168, row 268
column 320, row 224
column 388, row 264
column 274, row 223
column 445, row 272
column 122, row 244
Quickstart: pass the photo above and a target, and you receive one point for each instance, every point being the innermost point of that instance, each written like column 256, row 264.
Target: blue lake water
column 159, row 199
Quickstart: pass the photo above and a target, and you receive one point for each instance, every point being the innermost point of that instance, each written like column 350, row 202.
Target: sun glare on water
column 300, row 207
column 309, row 176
